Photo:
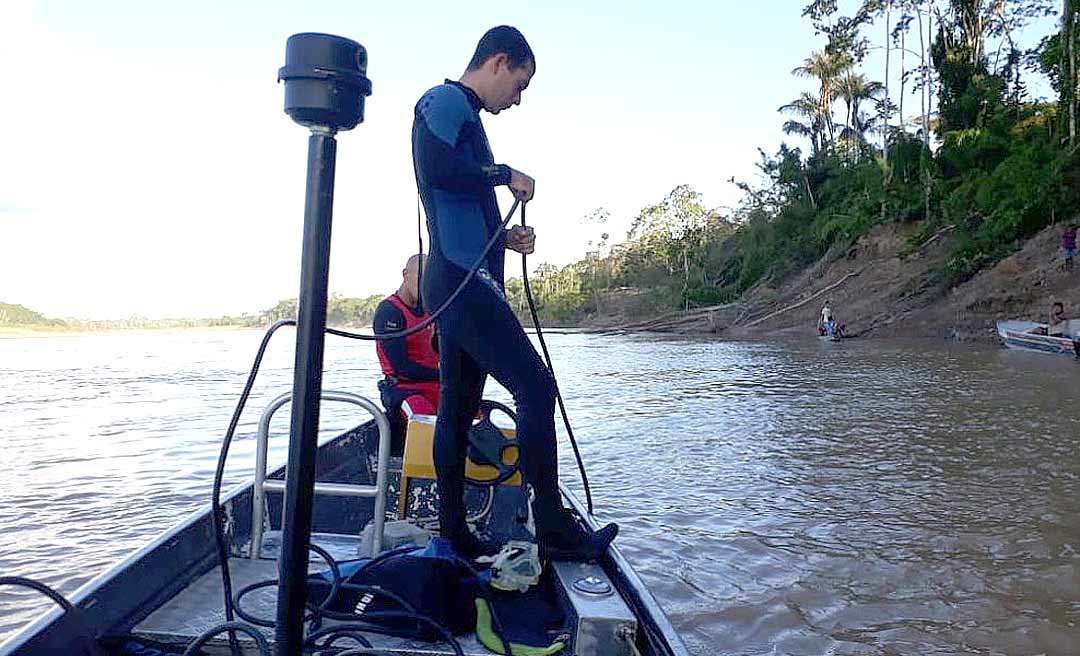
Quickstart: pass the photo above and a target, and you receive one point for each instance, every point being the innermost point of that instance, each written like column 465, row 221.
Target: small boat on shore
column 1031, row 336
column 167, row 598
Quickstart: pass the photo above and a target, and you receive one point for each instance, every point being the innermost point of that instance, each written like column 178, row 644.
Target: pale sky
column 147, row 167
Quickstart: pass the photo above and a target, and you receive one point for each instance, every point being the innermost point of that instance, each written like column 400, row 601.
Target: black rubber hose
column 547, row 358
column 447, row 637
column 22, row 582
column 332, row 635
column 219, row 473
column 232, row 627
column 450, row 299
column 316, row 610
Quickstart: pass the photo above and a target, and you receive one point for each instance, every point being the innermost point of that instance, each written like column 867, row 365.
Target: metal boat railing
column 263, row 484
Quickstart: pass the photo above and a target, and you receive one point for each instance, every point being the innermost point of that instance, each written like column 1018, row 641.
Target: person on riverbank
column 479, row 333
column 825, row 321
column 826, row 313
column 1068, row 246
column 1058, row 323
column 410, row 365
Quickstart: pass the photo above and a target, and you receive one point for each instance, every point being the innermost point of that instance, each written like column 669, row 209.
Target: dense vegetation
column 17, row 316
column 975, row 157
column 340, row 311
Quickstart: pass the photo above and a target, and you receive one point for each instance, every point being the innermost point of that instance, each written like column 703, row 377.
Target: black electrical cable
column 420, row 252
column 332, row 634
column 408, row 612
column 450, row 299
column 555, row 382
column 315, row 609
column 442, row 631
column 22, row 582
column 216, row 511
column 352, row 628
column 232, row 627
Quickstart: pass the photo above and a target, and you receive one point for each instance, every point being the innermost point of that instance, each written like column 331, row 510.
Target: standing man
column 410, row 365
column 1068, row 245
column 825, row 322
column 479, row 333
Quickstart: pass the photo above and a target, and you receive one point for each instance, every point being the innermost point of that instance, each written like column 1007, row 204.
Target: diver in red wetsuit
column 410, row 364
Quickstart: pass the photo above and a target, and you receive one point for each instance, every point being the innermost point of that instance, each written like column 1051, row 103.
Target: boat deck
column 199, row 607
column 169, row 593
column 597, row 621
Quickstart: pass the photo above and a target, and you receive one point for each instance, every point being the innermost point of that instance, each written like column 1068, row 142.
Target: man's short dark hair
column 503, row 40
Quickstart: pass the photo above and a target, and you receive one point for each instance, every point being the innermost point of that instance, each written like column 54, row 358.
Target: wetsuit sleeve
column 441, row 119
column 388, row 319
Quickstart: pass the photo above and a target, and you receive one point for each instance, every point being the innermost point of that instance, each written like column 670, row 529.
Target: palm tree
column 827, row 68
column 809, row 108
column 854, row 88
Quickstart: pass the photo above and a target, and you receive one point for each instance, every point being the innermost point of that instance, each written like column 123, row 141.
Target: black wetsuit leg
column 460, row 390
column 479, row 334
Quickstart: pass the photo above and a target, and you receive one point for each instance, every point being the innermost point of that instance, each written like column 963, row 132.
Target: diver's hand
column 522, row 185
column 521, row 239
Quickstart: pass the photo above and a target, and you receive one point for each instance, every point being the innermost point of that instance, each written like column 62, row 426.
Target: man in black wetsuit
column 478, row 333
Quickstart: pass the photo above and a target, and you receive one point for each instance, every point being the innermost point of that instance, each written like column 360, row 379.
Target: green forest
column 340, row 311
column 954, row 144
column 944, row 136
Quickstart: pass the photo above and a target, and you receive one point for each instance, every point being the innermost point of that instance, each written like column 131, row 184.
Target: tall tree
column 1056, row 55
column 1069, row 16
column 675, row 229
column 810, row 108
column 971, row 84
column 827, row 68
column 854, row 89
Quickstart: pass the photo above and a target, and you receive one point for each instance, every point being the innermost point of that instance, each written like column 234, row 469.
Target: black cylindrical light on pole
column 325, row 86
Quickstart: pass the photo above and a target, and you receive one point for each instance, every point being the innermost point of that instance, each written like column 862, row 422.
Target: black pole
column 307, row 388
column 325, row 86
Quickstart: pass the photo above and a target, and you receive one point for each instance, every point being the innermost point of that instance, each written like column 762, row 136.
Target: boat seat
column 418, row 463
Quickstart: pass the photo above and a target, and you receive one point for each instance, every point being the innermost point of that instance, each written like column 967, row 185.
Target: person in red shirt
column 410, row 365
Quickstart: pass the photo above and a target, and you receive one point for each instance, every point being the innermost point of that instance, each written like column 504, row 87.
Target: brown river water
column 783, row 497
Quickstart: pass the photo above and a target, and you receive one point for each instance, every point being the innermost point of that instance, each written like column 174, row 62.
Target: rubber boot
column 562, row 537
column 452, row 522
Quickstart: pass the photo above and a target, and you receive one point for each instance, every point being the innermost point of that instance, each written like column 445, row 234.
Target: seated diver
column 410, row 364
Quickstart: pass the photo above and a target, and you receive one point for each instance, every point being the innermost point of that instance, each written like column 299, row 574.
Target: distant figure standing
column 1068, row 245
column 826, row 327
